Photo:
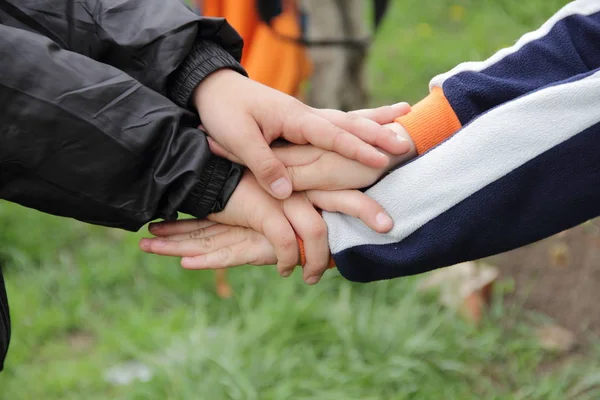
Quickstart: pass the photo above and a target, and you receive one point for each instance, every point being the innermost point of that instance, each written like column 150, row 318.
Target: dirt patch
column 559, row 277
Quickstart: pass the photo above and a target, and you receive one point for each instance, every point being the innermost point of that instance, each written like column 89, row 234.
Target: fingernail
column 400, row 138
column 156, row 225
column 401, row 104
column 286, row 274
column 383, row 220
column 144, row 244
column 311, row 280
column 185, row 262
column 281, row 188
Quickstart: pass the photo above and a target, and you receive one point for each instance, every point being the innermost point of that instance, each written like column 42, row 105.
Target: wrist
column 213, row 188
column 204, row 59
column 212, row 85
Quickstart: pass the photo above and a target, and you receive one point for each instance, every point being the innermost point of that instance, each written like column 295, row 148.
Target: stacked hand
column 263, row 218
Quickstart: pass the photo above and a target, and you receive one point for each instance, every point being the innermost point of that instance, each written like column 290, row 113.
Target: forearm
column 84, row 140
column 521, row 172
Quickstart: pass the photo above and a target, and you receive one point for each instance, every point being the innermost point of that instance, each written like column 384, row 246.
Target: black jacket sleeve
column 82, row 139
column 160, row 43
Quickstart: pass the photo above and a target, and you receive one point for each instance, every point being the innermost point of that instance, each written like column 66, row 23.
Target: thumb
column 269, row 171
column 253, row 151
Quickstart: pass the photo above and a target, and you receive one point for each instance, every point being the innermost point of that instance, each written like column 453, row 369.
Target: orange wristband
column 303, row 255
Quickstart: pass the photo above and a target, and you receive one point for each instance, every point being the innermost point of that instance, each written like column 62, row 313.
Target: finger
column 220, row 151
column 320, row 132
column 367, row 130
column 167, row 228
column 192, row 247
column 254, row 152
column 298, row 154
column 200, row 233
column 282, row 237
column 384, row 115
column 312, row 176
column 303, row 170
column 241, row 253
column 311, row 228
column 355, row 204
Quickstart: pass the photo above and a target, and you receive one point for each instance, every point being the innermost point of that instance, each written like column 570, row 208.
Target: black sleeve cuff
column 213, row 188
column 205, row 58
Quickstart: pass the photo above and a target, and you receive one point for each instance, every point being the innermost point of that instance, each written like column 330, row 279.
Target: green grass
column 85, row 299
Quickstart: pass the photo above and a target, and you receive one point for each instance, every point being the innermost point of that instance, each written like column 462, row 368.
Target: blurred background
column 94, row 318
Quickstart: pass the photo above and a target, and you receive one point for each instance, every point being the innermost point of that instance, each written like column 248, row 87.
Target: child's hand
column 209, row 245
column 279, row 221
column 313, row 168
column 244, row 117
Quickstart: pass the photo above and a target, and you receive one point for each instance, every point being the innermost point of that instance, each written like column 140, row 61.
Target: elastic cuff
column 205, row 58
column 331, row 264
column 430, row 121
column 214, row 187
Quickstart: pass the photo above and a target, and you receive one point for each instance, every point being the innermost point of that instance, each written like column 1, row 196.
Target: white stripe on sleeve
column 481, row 153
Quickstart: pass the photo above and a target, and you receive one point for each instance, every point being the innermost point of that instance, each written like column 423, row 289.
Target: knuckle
column 337, row 139
column 269, row 168
column 207, row 242
column 354, row 118
column 288, row 244
column 224, row 255
column 295, row 174
column 196, row 234
column 288, row 251
column 319, row 230
column 254, row 238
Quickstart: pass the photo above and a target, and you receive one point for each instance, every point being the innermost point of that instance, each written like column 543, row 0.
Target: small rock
column 559, row 254
column 556, row 338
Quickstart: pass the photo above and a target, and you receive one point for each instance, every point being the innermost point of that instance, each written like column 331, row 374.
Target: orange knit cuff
column 430, row 121
column 303, row 255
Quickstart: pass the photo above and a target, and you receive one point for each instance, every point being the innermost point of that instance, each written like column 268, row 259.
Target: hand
column 279, row 221
column 205, row 244
column 244, row 117
column 313, row 168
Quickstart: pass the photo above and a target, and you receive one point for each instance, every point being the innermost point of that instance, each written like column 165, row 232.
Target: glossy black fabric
column 96, row 121
column 93, row 123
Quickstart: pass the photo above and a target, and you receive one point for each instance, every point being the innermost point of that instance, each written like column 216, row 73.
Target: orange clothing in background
column 276, row 62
